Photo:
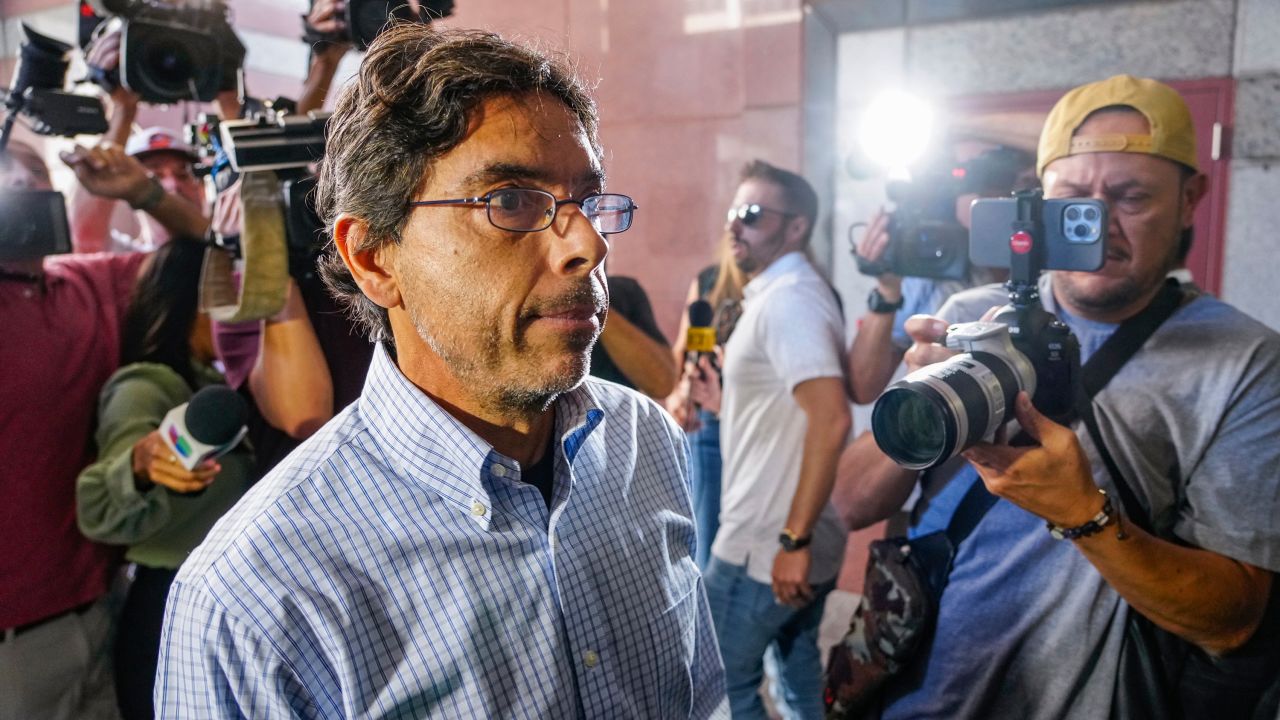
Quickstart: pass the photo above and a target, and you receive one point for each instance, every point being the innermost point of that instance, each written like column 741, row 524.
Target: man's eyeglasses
column 751, row 213
column 529, row 210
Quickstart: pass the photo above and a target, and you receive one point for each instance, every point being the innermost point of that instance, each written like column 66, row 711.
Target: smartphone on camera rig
column 937, row 412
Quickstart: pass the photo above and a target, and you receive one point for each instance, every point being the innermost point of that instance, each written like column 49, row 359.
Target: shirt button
column 478, row 509
column 499, row 470
column 590, row 658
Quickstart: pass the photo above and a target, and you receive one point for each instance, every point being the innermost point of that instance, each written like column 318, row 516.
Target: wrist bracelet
column 155, row 193
column 1105, row 517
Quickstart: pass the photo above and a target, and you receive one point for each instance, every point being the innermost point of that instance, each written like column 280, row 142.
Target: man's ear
column 797, row 229
column 372, row 268
column 1193, row 191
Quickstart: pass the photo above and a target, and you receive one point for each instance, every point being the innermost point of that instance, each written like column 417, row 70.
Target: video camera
column 33, row 223
column 937, row 412
column 36, row 92
column 169, row 51
column 925, row 239
column 272, row 138
column 365, row 19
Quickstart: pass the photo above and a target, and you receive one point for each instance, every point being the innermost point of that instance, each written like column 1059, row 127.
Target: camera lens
column 939, row 411
column 1090, row 214
column 169, row 65
column 1073, row 213
column 1083, row 231
column 913, row 424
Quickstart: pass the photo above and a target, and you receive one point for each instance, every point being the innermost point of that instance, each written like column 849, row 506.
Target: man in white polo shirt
column 784, row 419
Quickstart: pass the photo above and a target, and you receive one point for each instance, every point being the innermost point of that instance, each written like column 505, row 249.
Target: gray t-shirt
column 1027, row 628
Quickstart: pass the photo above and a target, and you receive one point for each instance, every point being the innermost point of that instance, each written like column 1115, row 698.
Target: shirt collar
column 784, row 265
column 426, row 444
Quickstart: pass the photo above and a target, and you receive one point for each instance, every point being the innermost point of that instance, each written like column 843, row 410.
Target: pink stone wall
column 687, row 89
column 683, row 104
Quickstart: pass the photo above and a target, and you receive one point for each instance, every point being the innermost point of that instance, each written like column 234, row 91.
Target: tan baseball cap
column 1173, row 135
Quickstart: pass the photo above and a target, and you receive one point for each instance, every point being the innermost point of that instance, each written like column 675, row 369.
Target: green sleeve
column 133, row 403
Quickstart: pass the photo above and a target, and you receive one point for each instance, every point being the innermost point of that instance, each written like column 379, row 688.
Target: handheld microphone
column 700, row 340
column 701, row 337
column 207, row 426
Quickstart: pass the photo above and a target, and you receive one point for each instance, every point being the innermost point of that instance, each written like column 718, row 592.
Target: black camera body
column 937, row 412
column 365, row 20
column 277, row 140
column 925, row 238
column 170, row 52
column 36, row 92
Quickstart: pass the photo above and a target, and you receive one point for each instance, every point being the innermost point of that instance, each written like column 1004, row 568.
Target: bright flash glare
column 895, row 130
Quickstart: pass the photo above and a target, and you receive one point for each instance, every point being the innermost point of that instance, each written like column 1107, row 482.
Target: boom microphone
column 209, row 425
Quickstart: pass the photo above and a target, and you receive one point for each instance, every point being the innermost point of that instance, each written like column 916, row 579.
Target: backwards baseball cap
column 158, row 139
column 1172, row 134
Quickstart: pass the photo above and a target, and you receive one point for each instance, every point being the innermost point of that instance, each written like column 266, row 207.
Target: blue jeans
column 705, row 477
column 748, row 621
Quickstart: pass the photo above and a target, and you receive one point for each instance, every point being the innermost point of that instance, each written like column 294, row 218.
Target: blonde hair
column 729, row 278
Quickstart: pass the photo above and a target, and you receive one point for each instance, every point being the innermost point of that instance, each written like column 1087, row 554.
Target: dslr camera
column 925, row 239
column 33, row 223
column 937, row 412
column 365, row 19
column 169, row 51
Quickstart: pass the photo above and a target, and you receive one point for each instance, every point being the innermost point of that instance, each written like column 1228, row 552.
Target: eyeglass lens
column 527, row 210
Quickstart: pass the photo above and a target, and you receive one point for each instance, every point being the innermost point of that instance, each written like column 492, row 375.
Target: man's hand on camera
column 107, row 172
column 104, row 54
column 328, row 17
column 1051, row 479
column 872, row 247
column 927, row 333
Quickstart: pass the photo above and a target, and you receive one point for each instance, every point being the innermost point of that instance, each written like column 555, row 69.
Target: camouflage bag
column 905, row 578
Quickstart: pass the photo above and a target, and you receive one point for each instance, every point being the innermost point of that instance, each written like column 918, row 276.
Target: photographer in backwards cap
column 1035, row 627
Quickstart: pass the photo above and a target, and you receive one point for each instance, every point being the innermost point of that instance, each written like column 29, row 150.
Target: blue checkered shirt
column 394, row 566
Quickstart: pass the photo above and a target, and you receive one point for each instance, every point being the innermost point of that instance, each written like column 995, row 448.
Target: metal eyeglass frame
column 550, row 214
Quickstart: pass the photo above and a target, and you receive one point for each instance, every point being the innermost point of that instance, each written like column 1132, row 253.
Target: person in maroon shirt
column 61, row 340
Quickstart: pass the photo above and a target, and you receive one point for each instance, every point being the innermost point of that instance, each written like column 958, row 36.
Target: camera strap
column 1103, row 365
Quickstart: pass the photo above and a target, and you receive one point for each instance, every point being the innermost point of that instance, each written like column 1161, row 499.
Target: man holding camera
column 485, row 532
column 1031, row 626
column 152, row 170
column 986, row 170
column 989, row 170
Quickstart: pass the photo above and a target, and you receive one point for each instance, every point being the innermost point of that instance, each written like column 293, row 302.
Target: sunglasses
column 750, row 214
